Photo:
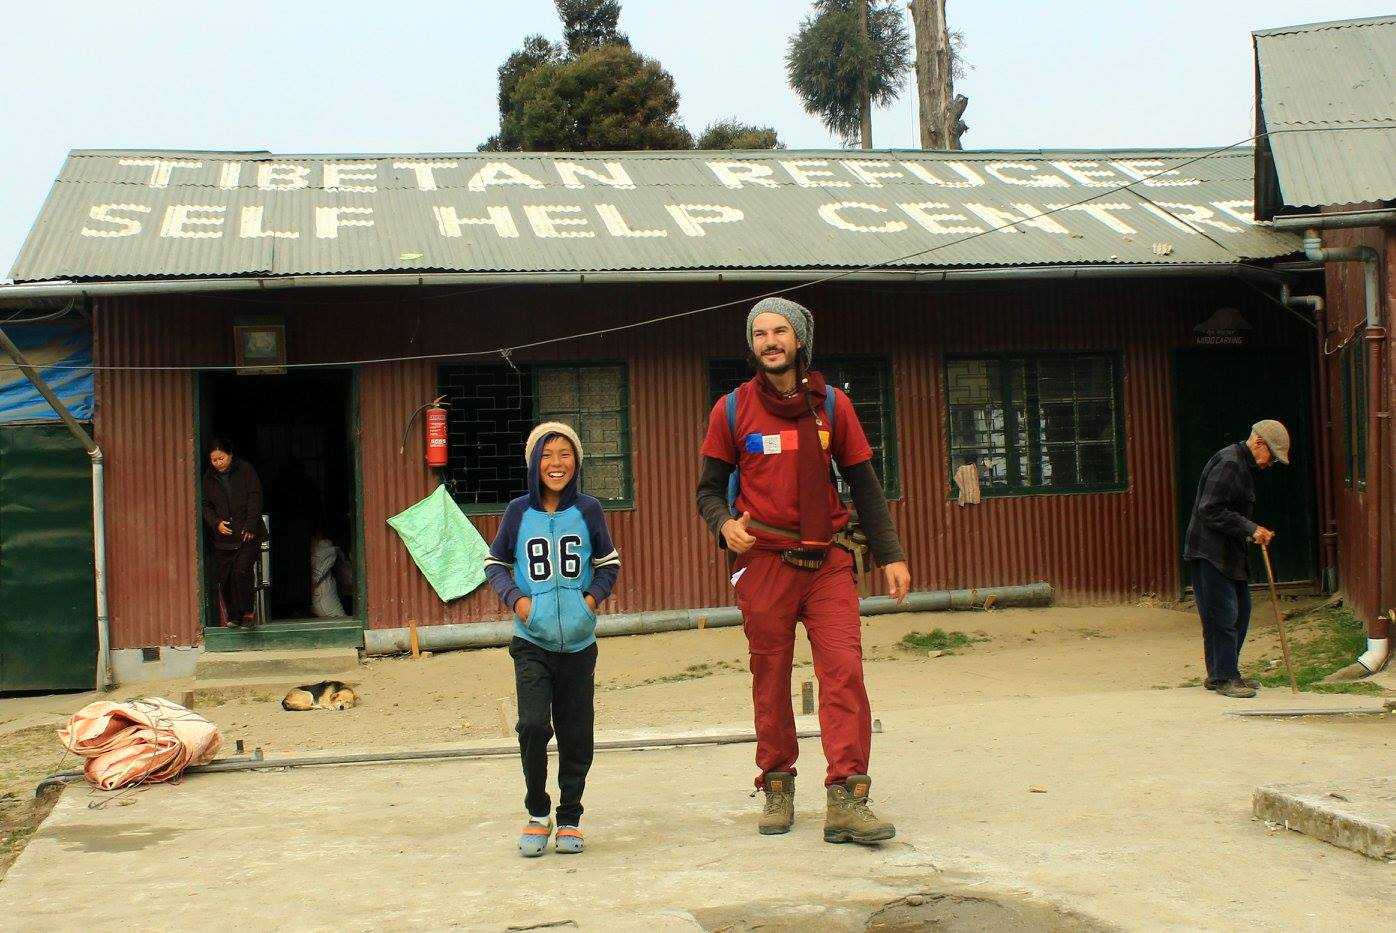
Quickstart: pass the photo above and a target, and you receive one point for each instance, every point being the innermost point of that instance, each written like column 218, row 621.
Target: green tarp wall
column 48, row 638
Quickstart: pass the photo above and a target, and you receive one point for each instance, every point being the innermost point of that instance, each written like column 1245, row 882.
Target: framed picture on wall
column 259, row 349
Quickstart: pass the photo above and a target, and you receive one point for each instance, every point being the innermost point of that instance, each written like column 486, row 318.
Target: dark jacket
column 240, row 505
column 1221, row 528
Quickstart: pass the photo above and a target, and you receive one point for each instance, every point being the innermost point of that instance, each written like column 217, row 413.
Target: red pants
column 772, row 595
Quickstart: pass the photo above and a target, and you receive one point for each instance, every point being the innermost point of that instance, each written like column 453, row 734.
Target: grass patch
column 26, row 757
column 938, row 639
column 694, row 672
column 1319, row 645
column 1356, row 688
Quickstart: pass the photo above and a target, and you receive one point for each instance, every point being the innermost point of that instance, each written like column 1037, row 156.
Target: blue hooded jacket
column 555, row 559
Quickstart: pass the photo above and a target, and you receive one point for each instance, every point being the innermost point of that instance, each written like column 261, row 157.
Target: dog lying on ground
column 327, row 694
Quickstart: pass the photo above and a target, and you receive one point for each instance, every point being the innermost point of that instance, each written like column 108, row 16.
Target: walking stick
column 1279, row 617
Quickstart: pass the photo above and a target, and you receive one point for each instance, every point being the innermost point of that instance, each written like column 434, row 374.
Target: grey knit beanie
column 801, row 321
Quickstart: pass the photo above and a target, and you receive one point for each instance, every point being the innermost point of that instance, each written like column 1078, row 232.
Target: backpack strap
column 733, row 481
column 830, row 399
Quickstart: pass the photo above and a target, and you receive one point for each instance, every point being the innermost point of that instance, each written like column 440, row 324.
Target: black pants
column 1225, row 607
column 232, row 572
column 556, row 690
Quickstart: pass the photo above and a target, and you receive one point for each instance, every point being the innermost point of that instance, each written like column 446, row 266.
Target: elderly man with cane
column 1218, row 538
column 781, row 432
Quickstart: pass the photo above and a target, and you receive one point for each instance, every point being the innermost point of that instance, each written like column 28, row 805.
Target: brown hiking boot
column 779, row 812
column 849, row 818
column 1236, row 688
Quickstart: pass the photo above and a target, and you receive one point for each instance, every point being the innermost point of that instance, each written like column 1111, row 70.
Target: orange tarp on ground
column 139, row 741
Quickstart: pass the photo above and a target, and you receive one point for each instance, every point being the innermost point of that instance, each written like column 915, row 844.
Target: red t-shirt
column 764, row 452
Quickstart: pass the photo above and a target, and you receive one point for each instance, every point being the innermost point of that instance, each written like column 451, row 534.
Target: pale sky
column 352, row 76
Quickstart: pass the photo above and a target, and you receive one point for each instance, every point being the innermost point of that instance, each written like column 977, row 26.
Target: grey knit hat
column 801, row 321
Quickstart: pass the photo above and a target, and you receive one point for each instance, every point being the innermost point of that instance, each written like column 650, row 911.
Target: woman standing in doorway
column 232, row 507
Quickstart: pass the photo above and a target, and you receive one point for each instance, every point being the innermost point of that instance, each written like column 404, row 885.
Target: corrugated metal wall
column 145, row 426
column 1091, row 547
column 1357, row 510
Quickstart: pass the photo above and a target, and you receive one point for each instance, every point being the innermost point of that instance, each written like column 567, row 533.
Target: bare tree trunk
column 926, row 108
column 864, row 99
column 940, row 107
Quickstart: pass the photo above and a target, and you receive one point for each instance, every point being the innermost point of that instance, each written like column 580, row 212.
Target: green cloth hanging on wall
column 445, row 546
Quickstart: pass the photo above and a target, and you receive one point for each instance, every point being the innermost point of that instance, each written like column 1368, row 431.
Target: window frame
column 1012, row 454
column 891, row 450
column 627, row 455
column 627, row 458
column 470, row 508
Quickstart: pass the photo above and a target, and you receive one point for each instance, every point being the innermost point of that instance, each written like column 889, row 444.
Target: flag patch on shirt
column 778, row 443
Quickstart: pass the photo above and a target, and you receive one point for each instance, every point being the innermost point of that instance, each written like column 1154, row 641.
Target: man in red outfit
column 792, row 563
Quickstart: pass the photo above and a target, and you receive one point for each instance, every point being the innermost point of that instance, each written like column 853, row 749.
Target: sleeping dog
column 327, row 694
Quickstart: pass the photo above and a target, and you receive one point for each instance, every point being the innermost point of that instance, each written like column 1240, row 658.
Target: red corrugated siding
column 1357, row 511
column 145, row 426
column 1091, row 547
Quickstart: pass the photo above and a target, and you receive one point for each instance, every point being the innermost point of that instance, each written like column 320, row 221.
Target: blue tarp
column 54, row 349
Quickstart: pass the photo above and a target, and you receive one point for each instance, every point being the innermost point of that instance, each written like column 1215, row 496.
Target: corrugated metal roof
column 1327, row 98
column 132, row 214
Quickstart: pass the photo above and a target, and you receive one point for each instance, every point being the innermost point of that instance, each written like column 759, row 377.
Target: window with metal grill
column 1042, row 423
column 1354, row 378
column 493, row 407
column 866, row 380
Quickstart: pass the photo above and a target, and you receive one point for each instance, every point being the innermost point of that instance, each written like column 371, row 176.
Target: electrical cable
column 506, row 352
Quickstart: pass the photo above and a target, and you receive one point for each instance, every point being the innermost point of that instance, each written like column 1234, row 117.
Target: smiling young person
column 553, row 563
column 792, row 564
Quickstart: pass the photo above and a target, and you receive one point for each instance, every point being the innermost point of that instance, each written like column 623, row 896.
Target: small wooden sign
column 1228, row 327
column 259, row 349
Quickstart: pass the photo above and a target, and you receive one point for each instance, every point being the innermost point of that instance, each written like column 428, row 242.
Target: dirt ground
column 691, row 680
column 1047, row 677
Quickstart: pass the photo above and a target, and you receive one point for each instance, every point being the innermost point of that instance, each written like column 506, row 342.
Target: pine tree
column 847, row 56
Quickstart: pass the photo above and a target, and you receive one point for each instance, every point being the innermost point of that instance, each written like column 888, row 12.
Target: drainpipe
column 1378, row 530
column 99, row 514
column 1382, row 217
column 1329, row 519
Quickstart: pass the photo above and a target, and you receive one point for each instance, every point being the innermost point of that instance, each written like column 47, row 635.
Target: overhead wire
column 1197, row 228
column 62, row 312
column 506, row 352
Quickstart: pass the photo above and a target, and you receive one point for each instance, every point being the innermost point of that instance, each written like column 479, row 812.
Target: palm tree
column 846, row 56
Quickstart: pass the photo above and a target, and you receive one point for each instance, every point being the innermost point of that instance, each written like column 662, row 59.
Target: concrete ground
column 1043, row 775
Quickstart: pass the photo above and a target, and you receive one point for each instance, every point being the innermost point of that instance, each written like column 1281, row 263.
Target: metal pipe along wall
column 498, row 634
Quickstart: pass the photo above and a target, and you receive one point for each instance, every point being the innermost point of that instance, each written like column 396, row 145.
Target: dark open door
column 48, row 636
column 1220, row 393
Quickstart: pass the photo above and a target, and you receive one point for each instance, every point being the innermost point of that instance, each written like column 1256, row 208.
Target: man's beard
column 777, row 369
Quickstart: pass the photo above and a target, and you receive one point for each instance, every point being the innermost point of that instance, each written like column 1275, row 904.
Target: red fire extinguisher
column 434, row 433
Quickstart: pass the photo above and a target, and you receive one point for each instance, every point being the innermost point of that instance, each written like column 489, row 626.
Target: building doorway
column 295, row 430
column 1220, row 393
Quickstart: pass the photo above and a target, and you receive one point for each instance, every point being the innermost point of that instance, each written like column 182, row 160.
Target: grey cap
column 801, row 321
column 1275, row 436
